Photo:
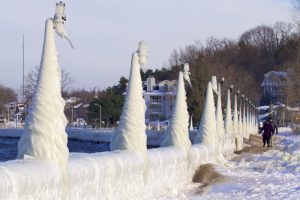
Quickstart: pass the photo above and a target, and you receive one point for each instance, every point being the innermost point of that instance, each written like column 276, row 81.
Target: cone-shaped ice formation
column 248, row 123
column 235, row 117
column 44, row 135
column 240, row 135
column 220, row 122
column 130, row 134
column 191, row 123
column 244, row 122
column 228, row 126
column 178, row 131
column 207, row 128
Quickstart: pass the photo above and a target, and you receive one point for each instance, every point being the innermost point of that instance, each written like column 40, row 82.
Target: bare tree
column 31, row 80
column 6, row 95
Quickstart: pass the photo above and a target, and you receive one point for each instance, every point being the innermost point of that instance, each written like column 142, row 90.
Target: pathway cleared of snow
column 272, row 174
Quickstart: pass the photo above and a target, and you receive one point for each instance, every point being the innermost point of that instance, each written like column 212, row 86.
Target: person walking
column 268, row 132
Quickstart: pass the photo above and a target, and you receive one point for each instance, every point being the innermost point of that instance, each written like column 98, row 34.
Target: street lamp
column 100, row 110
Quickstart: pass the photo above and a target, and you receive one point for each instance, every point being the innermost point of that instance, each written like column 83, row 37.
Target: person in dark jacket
column 268, row 132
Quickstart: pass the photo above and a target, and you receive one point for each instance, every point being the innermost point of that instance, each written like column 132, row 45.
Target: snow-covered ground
column 273, row 174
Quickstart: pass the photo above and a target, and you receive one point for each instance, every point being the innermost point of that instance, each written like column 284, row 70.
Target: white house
column 159, row 99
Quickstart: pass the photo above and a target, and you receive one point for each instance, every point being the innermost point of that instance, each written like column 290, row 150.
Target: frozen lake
column 8, row 147
column 79, row 140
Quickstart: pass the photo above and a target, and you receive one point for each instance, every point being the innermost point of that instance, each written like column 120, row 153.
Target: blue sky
column 105, row 33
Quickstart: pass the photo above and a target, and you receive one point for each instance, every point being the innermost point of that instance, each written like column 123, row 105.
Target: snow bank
column 106, row 175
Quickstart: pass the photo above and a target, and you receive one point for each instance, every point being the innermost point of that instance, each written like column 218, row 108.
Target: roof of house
column 275, row 78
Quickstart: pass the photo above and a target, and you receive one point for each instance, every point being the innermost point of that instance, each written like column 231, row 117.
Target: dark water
column 9, row 147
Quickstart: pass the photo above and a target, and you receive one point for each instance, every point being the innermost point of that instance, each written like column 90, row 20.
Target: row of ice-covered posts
column 225, row 135
column 238, row 124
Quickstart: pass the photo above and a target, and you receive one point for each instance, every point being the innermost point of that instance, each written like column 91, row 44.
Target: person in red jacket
column 268, row 132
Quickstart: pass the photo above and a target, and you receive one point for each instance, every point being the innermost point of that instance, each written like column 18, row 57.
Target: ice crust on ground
column 207, row 127
column 177, row 133
column 44, row 135
column 130, row 134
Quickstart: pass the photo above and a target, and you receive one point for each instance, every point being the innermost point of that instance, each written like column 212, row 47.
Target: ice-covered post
column 244, row 117
column 191, row 123
column 235, row 122
column 238, row 142
column 247, row 118
column 207, row 127
column 250, row 118
column 220, row 122
column 241, row 132
column 130, row 134
column 44, row 135
column 178, row 131
column 228, row 124
column 256, row 122
column 253, row 119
